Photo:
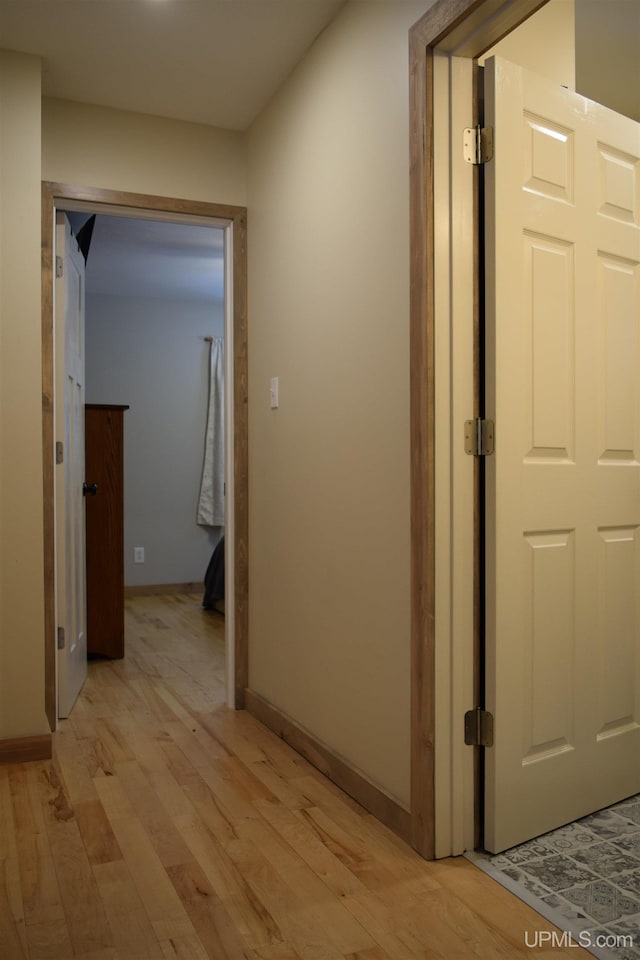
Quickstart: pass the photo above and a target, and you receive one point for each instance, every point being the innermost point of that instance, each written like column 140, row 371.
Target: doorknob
column 91, row 488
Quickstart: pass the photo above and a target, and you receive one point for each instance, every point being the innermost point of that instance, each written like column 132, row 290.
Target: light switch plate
column 274, row 392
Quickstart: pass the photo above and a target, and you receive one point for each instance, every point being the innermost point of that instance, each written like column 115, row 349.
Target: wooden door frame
column 460, row 28
column 55, row 195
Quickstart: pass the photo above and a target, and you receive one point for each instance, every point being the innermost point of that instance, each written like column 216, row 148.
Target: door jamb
column 54, row 195
column 440, row 822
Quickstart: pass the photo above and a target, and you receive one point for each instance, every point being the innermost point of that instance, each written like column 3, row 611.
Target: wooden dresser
column 104, row 467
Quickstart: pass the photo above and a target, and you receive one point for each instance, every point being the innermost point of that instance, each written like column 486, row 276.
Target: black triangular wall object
column 84, row 236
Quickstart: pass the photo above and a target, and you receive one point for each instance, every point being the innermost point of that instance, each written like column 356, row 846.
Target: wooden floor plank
column 12, row 906
column 12, row 931
column 84, row 910
column 69, row 758
column 166, row 827
column 49, row 940
column 133, row 935
column 281, row 901
column 252, row 919
column 186, row 947
column 317, row 901
column 316, row 854
column 39, row 886
column 152, row 883
column 95, row 829
column 208, row 914
column 154, row 819
column 282, row 951
column 156, row 769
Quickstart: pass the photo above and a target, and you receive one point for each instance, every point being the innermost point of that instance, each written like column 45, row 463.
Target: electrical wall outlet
column 138, row 554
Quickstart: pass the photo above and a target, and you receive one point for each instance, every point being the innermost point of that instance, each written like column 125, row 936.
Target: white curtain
column 211, row 503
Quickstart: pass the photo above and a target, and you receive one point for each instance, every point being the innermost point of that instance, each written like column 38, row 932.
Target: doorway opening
column 445, row 328
column 154, row 312
column 228, row 225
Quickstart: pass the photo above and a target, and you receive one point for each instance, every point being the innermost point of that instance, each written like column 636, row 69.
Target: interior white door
column 69, row 477
column 563, row 487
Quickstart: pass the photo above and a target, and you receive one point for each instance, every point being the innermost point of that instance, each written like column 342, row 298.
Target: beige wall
column 21, row 531
column 545, row 43
column 608, row 53
column 592, row 46
column 329, row 469
column 91, row 146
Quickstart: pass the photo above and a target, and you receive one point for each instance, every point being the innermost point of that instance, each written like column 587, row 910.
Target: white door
column 69, row 475
column 563, row 487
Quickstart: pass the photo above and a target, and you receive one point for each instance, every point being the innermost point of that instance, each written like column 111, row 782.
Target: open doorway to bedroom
column 165, row 313
column 154, row 323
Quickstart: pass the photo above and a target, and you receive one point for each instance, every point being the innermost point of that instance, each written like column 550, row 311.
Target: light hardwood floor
column 167, row 826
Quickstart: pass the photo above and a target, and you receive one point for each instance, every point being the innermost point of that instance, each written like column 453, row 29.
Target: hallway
column 167, row 826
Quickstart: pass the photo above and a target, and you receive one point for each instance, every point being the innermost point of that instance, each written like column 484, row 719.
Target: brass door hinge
column 478, row 144
column 479, row 437
column 478, row 728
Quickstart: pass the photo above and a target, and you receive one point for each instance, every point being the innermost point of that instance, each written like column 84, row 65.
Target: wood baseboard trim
column 159, row 589
column 372, row 798
column 24, row 749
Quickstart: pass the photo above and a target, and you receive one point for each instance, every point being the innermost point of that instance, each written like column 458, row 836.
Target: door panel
column 563, row 487
column 69, row 477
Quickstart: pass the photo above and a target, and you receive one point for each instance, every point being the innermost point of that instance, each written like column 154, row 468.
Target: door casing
column 234, row 221
column 445, row 572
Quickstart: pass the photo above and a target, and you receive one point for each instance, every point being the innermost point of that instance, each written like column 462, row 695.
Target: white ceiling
column 216, row 62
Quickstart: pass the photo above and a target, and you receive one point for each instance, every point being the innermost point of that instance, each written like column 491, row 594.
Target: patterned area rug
column 584, row 878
